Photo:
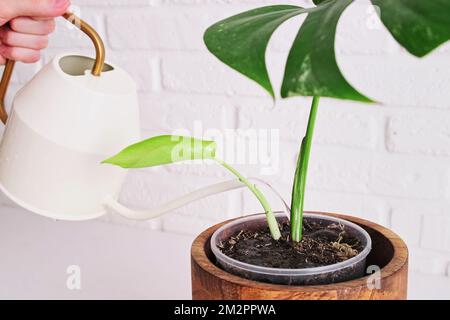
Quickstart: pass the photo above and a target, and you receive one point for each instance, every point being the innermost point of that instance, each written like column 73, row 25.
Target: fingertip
column 50, row 26
column 60, row 6
column 34, row 58
column 33, row 25
column 32, row 8
column 42, row 43
column 31, row 57
column 20, row 54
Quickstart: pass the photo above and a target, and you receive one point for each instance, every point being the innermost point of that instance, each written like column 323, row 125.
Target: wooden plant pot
column 389, row 252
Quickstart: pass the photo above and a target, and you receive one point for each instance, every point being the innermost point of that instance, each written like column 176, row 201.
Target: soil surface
column 321, row 246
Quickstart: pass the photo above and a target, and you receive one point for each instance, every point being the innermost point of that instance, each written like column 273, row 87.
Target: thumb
column 31, row 8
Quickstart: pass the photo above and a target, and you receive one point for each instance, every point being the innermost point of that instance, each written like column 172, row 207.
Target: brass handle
column 96, row 70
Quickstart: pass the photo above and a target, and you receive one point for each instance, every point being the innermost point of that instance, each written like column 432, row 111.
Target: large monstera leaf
column 419, row 26
column 311, row 70
column 241, row 41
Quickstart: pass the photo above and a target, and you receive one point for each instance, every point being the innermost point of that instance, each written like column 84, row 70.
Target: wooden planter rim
column 398, row 261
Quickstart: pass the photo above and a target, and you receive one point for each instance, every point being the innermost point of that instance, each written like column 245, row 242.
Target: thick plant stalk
column 271, row 220
column 298, row 190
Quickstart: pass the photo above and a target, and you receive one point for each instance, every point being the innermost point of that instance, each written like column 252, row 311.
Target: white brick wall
column 388, row 163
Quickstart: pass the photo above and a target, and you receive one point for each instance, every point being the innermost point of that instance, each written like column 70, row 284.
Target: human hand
column 25, row 26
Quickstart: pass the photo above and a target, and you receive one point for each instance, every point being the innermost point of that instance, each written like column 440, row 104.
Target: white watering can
column 72, row 115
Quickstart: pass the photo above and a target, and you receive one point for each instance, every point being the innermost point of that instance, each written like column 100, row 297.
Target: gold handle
column 96, row 70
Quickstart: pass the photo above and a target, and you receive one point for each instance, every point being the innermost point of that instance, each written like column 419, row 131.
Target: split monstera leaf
column 311, row 68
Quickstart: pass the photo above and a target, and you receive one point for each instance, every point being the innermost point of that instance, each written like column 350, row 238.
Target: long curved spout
column 153, row 213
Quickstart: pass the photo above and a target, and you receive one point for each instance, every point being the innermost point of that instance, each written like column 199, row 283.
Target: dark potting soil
column 321, row 246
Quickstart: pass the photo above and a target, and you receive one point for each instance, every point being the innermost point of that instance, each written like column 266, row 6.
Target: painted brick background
column 388, row 162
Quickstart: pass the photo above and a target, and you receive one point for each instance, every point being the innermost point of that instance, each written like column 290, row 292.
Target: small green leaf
column 163, row 150
column 311, row 69
column 241, row 40
column 419, row 26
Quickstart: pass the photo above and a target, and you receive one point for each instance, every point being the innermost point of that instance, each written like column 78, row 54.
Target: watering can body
column 63, row 123
column 75, row 113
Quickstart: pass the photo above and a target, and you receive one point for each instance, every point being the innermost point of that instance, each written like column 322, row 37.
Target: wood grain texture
column 209, row 282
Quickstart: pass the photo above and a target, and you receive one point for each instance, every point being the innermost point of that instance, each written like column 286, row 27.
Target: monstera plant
column 313, row 249
column 311, row 68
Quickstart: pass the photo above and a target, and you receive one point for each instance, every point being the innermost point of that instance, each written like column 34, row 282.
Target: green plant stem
column 271, row 220
column 298, row 190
